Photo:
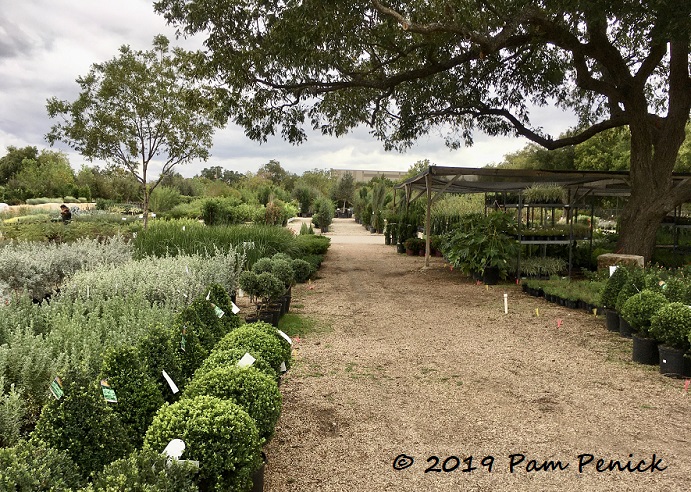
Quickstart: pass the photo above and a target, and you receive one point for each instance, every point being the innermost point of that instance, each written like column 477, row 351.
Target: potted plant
column 413, row 245
column 608, row 298
column 638, row 310
column 484, row 244
column 544, row 194
column 671, row 325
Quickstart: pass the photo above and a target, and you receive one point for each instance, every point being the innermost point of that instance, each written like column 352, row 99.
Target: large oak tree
column 409, row 67
column 139, row 108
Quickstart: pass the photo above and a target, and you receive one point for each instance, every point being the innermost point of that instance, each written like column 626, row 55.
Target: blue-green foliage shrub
column 253, row 390
column 36, row 467
column 217, row 433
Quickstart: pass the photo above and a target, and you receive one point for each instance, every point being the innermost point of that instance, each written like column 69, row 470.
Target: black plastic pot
column 625, row 329
column 258, row 476
column 490, row 276
column 400, row 248
column 673, row 363
column 645, row 350
column 612, row 320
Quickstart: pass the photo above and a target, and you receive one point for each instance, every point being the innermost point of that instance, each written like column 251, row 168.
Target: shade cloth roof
column 445, row 179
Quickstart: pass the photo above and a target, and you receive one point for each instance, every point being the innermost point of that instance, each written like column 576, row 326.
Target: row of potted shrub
column 652, row 306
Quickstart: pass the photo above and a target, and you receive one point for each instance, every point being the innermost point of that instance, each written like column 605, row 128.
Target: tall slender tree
column 138, row 109
column 408, row 67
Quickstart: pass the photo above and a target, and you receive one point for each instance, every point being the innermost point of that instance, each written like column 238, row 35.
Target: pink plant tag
column 559, row 323
column 686, row 385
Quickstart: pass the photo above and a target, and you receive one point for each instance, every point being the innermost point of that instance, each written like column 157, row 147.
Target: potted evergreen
column 414, row 245
column 608, row 299
column 638, row 310
column 671, row 326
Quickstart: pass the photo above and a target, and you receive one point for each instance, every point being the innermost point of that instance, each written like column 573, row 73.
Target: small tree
column 137, row 107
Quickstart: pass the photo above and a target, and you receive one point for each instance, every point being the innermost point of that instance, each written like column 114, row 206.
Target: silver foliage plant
column 170, row 281
column 40, row 268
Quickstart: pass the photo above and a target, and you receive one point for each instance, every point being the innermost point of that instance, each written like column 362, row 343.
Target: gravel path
column 423, row 362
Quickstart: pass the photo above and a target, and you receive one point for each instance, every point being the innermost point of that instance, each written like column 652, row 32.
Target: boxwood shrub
column 217, row 433
column 614, row 284
column 84, row 425
column 253, row 390
column 671, row 325
column 139, row 398
column 255, row 340
column 34, row 466
column 639, row 309
column 287, row 348
column 146, row 470
column 219, row 297
column 302, row 269
column 230, row 357
column 160, row 350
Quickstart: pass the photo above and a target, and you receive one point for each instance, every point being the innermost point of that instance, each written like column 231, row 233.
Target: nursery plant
column 217, row 433
column 614, row 284
column 253, row 390
column 230, row 357
column 671, row 325
column 34, row 466
column 640, row 308
column 255, row 340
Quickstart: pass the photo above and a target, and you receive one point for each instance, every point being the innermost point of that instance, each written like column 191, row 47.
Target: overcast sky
column 46, row 44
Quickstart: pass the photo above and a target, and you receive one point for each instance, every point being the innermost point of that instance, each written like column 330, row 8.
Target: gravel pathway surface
column 421, row 370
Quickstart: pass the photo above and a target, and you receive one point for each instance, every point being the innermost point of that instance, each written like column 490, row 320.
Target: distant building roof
column 362, row 175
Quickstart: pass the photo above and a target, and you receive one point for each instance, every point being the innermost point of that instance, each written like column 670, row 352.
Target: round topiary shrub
column 269, row 329
column 302, row 269
column 139, row 398
column 217, row 433
column 146, row 470
column 248, row 282
column 262, row 265
column 253, row 390
column 639, row 309
column 281, row 256
column 230, row 357
column 614, row 284
column 254, row 340
column 283, row 270
column 634, row 284
column 34, row 466
column 677, row 289
column 269, row 287
column 671, row 325
column 84, row 425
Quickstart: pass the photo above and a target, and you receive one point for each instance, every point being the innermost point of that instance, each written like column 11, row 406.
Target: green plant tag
column 108, row 392
column 219, row 312
column 56, row 388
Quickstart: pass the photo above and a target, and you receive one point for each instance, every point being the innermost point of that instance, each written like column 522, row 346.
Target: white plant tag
column 612, row 269
column 246, row 361
column 235, row 309
column 174, row 449
column 170, row 382
column 284, row 336
column 208, row 296
column 283, row 367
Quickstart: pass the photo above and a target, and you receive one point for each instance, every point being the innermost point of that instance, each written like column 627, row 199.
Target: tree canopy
column 407, row 68
column 137, row 108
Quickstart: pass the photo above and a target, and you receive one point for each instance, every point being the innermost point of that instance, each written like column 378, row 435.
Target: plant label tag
column 183, row 343
column 56, row 388
column 686, row 385
column 241, row 293
column 235, row 309
column 612, row 269
column 174, row 449
column 194, row 463
column 283, row 367
column 208, row 296
column 170, row 382
column 287, row 338
column 219, row 312
column 108, row 392
column 183, row 228
column 246, row 361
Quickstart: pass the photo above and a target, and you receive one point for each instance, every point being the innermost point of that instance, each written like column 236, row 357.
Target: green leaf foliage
column 217, row 433
column 230, row 357
column 255, row 340
column 671, row 325
column 36, row 467
column 614, row 284
column 302, row 270
column 286, row 348
column 82, row 424
column 138, row 395
column 145, row 470
column 253, row 390
column 160, row 349
column 640, row 308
